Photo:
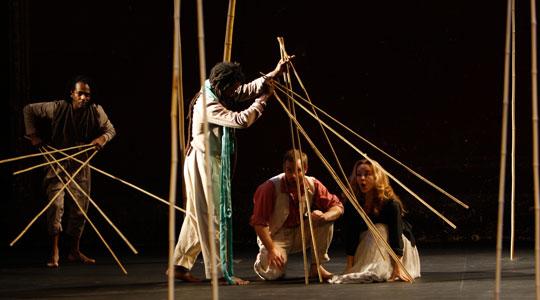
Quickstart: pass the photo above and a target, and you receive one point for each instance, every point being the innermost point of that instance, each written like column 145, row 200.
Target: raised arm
column 255, row 88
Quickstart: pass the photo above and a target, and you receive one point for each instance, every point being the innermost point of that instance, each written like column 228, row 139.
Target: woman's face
column 365, row 178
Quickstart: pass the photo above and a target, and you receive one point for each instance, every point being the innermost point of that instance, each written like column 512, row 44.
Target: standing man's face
column 80, row 95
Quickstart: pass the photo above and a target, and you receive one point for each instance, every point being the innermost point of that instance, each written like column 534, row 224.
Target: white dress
column 370, row 266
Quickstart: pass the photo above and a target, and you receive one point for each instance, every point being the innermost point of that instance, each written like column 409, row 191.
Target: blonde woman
column 365, row 263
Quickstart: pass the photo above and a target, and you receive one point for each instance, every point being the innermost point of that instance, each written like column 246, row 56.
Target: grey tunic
column 76, row 221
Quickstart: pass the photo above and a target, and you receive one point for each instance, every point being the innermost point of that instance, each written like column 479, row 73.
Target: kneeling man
column 276, row 218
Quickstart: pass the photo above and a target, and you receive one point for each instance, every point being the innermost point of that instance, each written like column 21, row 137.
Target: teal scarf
column 225, row 206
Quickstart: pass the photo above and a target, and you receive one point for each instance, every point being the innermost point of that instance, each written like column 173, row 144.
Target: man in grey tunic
column 74, row 121
column 223, row 88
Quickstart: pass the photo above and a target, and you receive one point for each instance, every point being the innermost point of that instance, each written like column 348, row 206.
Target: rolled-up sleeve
column 325, row 200
column 105, row 124
column 263, row 204
column 250, row 90
column 220, row 115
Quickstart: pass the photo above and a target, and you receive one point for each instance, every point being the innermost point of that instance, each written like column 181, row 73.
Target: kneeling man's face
column 293, row 172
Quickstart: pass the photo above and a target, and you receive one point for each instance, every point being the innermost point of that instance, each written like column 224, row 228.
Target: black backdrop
column 420, row 79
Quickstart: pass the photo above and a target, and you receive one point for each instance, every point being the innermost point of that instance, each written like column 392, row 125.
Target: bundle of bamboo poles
column 510, row 55
column 54, row 163
column 289, row 108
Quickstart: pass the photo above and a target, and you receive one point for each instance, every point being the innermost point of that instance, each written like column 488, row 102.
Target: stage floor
column 448, row 272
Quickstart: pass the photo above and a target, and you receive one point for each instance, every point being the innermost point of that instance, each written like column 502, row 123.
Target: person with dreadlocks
column 366, row 262
column 223, row 89
column 76, row 120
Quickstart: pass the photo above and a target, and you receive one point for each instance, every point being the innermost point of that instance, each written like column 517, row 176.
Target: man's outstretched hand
column 35, row 140
column 99, row 142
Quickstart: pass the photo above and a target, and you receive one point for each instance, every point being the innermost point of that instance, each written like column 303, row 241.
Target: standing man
column 222, row 89
column 277, row 222
column 76, row 120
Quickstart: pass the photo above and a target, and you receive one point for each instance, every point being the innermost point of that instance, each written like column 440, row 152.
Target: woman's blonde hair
column 383, row 189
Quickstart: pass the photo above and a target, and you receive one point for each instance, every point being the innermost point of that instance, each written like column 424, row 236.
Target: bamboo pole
column 128, row 184
column 376, row 234
column 181, row 113
column 211, row 209
column 86, row 215
column 386, row 172
column 174, row 151
column 52, row 200
column 227, row 49
column 502, row 170
column 49, row 162
column 50, row 159
column 40, row 154
column 225, row 264
column 513, row 151
column 345, row 178
column 301, row 215
column 536, row 175
column 306, row 201
column 315, row 112
column 284, row 90
column 295, row 139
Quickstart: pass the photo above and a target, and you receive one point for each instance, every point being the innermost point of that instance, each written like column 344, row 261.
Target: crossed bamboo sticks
column 346, row 190
column 46, row 152
column 286, row 89
column 301, row 190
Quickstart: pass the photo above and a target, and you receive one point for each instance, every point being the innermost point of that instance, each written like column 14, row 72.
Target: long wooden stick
column 51, row 162
column 336, row 158
column 211, row 210
column 513, row 151
column 285, row 90
column 227, row 49
column 306, row 201
column 181, row 113
column 300, row 190
column 225, row 237
column 377, row 235
column 52, row 200
column 40, row 154
column 502, row 170
column 50, row 158
column 174, row 149
column 86, row 215
column 386, row 172
column 345, row 178
column 128, row 184
column 536, row 175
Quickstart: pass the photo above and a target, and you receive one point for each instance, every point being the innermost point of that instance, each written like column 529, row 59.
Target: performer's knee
column 265, row 271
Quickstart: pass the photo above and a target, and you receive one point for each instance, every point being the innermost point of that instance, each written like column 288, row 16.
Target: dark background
column 420, row 79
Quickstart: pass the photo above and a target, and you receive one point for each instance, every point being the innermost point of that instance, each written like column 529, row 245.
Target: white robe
column 370, row 266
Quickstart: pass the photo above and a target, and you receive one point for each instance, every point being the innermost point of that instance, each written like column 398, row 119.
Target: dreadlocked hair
column 224, row 75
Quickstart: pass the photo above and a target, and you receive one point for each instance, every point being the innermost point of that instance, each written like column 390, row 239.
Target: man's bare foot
column 324, row 273
column 182, row 273
column 236, row 281
column 53, row 262
column 79, row 257
column 55, row 253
